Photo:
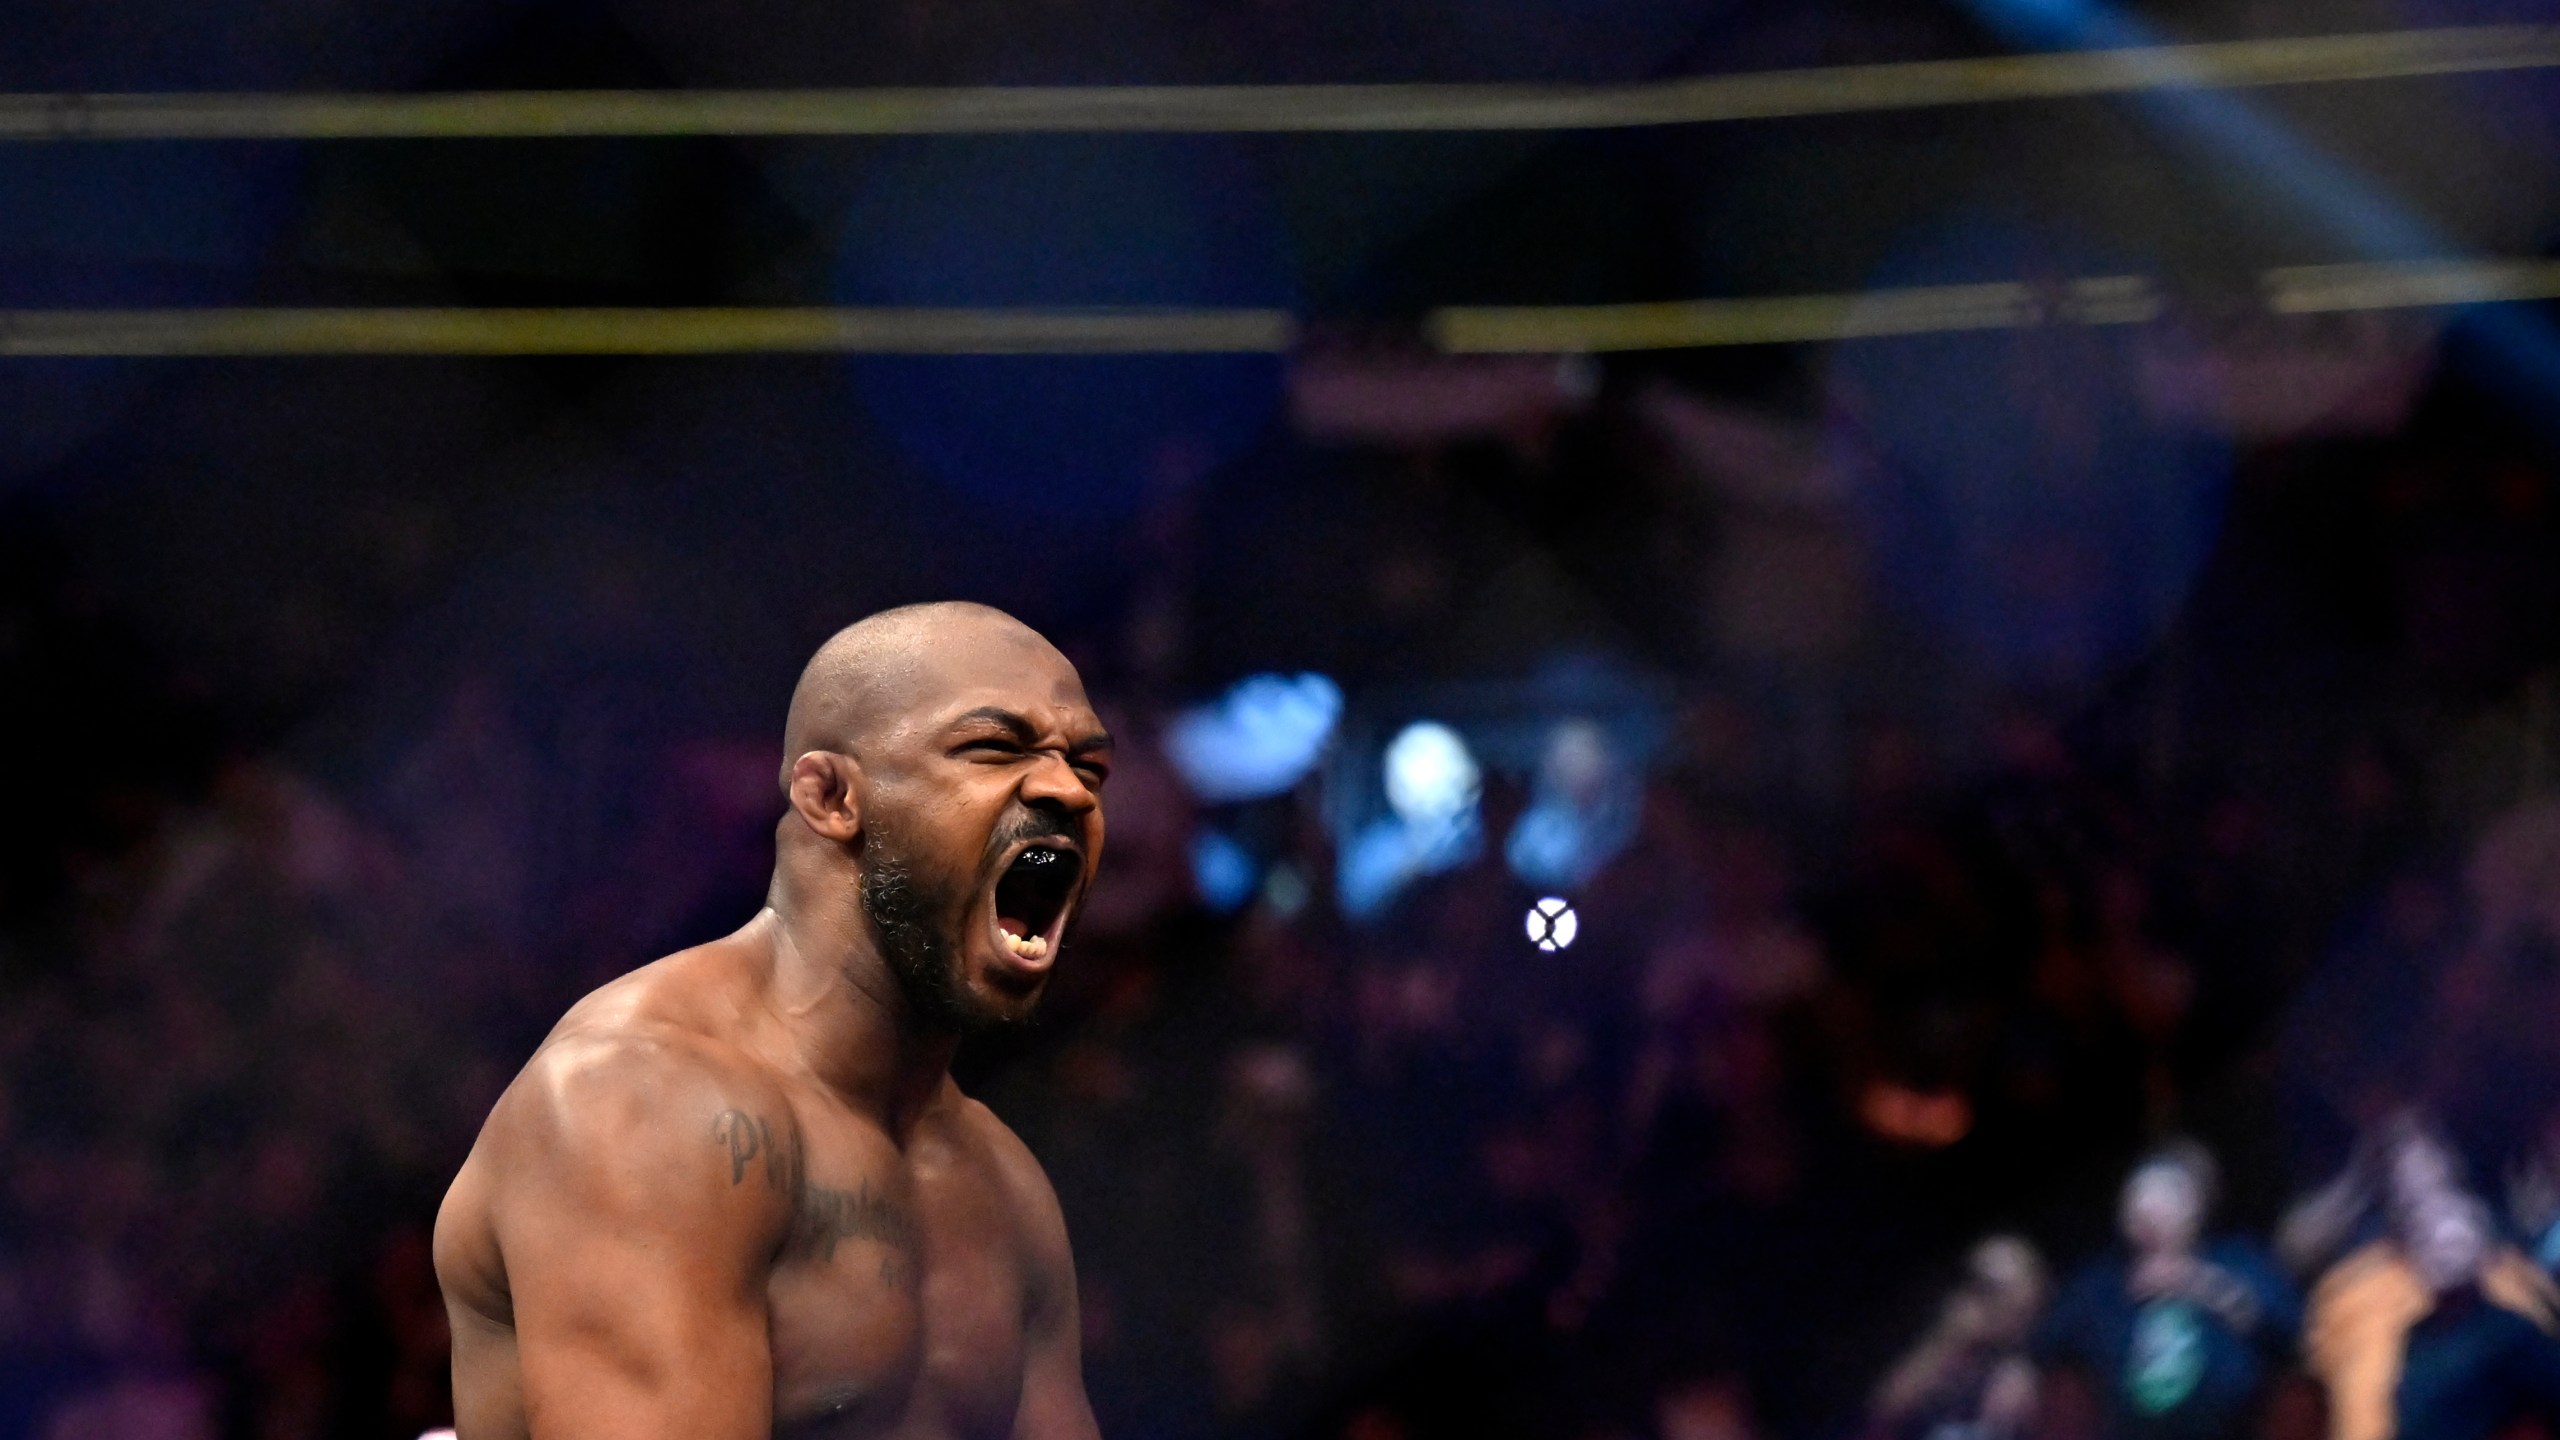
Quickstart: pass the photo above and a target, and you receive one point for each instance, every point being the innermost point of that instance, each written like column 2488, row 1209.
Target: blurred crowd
column 2395, row 1301
column 2108, row 802
column 1887, row 965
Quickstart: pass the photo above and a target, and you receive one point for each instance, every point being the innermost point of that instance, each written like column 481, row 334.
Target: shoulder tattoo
column 745, row 1137
column 824, row 1217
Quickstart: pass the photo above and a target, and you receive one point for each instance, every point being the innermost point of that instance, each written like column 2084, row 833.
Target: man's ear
column 825, row 794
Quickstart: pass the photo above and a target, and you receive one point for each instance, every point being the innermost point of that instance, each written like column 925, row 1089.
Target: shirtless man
column 735, row 1194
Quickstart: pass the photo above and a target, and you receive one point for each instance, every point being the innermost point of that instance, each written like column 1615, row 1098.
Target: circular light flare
column 1552, row 924
column 1432, row 777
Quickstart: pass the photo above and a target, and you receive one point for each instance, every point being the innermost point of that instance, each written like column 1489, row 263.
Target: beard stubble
column 914, row 928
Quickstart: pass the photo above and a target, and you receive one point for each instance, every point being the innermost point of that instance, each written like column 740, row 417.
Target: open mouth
column 1031, row 899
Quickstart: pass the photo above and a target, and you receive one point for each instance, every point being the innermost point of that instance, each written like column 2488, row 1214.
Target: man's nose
column 1053, row 781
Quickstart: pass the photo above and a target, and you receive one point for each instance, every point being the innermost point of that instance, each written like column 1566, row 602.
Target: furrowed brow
column 1018, row 726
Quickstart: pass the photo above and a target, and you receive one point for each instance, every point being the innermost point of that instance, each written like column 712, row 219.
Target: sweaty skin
column 735, row 1194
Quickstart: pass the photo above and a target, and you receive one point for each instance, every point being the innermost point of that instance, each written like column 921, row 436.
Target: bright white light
column 1433, row 784
column 1552, row 924
column 1432, row 779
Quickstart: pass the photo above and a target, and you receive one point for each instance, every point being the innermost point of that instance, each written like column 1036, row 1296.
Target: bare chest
column 897, row 1308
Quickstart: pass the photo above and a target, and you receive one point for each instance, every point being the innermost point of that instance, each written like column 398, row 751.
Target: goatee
column 911, row 930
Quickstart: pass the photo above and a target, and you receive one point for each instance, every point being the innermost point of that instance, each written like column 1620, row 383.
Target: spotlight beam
column 2252, row 149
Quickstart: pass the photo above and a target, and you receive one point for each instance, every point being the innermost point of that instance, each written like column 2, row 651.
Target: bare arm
column 1919, row 1376
column 641, row 1199
column 2321, row 1225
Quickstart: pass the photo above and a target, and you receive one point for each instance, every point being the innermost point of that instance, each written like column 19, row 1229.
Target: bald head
column 929, row 749
column 885, row 667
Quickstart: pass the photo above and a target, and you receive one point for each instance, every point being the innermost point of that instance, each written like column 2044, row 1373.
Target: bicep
column 621, row 1334
column 635, row 1266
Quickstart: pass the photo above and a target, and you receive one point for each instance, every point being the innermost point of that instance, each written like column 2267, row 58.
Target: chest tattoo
column 829, row 1217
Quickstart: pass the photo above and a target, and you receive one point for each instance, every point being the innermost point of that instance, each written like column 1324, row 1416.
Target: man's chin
column 980, row 1020
column 976, row 997
column 996, row 1010
column 945, row 997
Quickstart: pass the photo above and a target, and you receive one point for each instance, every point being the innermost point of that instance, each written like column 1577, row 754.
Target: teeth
column 1029, row 947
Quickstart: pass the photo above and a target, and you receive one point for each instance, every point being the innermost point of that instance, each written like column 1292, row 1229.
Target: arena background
column 2017, row 607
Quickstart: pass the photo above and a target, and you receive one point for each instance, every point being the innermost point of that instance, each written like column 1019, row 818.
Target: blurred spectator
column 2178, row 1331
column 2398, row 1163
column 2359, row 1333
column 1970, row 1377
column 2470, row 1368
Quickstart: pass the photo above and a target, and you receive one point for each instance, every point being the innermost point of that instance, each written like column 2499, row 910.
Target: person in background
column 2361, row 1334
column 2176, row 1331
column 1969, row 1377
column 2399, row 1161
column 2470, row 1367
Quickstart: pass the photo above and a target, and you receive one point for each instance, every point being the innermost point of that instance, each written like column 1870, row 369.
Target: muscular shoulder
column 628, row 1117
column 640, row 1101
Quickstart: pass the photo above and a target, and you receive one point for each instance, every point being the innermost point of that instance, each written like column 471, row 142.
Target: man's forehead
column 919, row 668
column 1033, row 681
column 1063, row 706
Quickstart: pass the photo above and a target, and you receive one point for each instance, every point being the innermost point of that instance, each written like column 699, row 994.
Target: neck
column 848, row 1022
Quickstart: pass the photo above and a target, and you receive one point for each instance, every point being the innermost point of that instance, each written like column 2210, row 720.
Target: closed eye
column 1094, row 770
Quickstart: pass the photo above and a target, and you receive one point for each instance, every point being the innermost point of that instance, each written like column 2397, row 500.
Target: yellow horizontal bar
column 1526, row 329
column 599, row 331
column 2314, row 289
column 1276, row 108
column 1792, row 319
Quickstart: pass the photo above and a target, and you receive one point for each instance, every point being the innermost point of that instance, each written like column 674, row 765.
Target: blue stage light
column 1433, row 784
column 1258, row 739
column 1582, row 810
column 1224, row 872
